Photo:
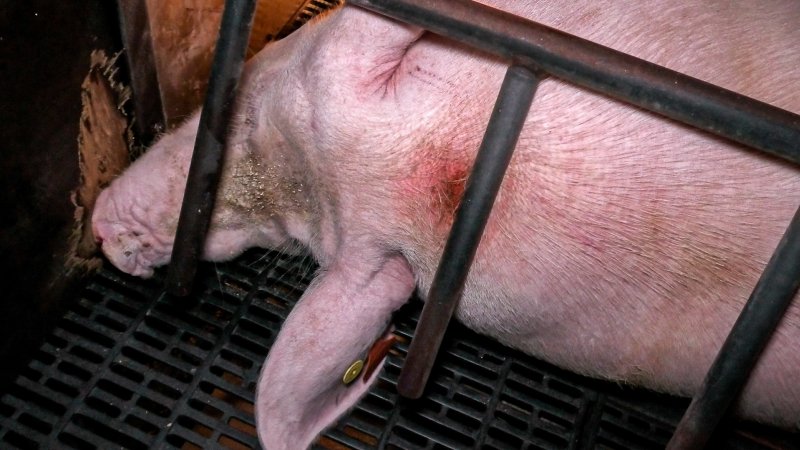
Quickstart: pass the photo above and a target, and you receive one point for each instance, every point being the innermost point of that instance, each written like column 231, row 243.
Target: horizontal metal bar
column 750, row 334
column 624, row 77
column 491, row 162
column 209, row 148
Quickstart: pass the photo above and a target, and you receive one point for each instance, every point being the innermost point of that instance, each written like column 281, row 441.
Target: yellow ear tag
column 353, row 372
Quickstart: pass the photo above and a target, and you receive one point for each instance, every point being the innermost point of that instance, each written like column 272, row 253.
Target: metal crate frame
column 129, row 367
column 534, row 51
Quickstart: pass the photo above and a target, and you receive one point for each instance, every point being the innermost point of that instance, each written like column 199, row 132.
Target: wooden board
column 185, row 32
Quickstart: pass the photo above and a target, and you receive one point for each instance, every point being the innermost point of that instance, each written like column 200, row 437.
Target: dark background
column 44, row 57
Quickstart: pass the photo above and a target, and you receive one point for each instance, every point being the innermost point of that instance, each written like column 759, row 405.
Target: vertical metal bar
column 138, row 43
column 750, row 334
column 206, row 166
column 494, row 155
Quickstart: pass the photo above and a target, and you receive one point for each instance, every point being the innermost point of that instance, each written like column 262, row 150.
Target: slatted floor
column 128, row 367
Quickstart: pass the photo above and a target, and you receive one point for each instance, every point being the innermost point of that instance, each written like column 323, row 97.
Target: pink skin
column 621, row 246
column 347, row 308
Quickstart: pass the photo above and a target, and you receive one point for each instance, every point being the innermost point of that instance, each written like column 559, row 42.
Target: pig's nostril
column 98, row 238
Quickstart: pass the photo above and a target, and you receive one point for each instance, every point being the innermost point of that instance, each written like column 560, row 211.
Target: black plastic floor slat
column 129, row 367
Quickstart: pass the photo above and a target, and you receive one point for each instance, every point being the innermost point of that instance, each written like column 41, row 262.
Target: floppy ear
column 344, row 311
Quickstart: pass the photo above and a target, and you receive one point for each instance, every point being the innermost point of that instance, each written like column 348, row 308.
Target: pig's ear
column 344, row 311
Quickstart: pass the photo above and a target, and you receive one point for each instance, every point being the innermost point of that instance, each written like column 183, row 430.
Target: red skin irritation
column 435, row 189
column 448, row 191
column 438, row 186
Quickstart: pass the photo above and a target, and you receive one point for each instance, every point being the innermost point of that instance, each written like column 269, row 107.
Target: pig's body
column 622, row 245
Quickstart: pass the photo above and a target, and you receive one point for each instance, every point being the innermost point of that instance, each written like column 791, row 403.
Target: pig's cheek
column 273, row 234
column 223, row 245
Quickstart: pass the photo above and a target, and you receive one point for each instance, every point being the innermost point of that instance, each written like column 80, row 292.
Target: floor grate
column 127, row 367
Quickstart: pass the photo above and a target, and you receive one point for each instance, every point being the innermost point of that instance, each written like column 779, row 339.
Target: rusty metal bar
column 624, row 77
column 491, row 162
column 138, row 44
column 209, row 148
column 750, row 334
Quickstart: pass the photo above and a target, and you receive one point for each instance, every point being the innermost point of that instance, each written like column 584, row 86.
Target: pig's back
column 622, row 244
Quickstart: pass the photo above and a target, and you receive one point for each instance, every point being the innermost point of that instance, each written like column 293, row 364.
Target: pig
column 621, row 246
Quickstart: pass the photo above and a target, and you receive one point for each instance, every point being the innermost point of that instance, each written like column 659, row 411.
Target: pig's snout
column 128, row 245
column 123, row 249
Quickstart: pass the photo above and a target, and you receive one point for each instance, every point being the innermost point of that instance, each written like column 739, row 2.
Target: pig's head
column 279, row 187
column 263, row 198
column 135, row 219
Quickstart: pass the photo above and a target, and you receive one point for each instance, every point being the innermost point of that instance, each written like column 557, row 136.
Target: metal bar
column 660, row 90
column 505, row 125
column 138, row 43
column 212, row 134
column 652, row 87
column 750, row 334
